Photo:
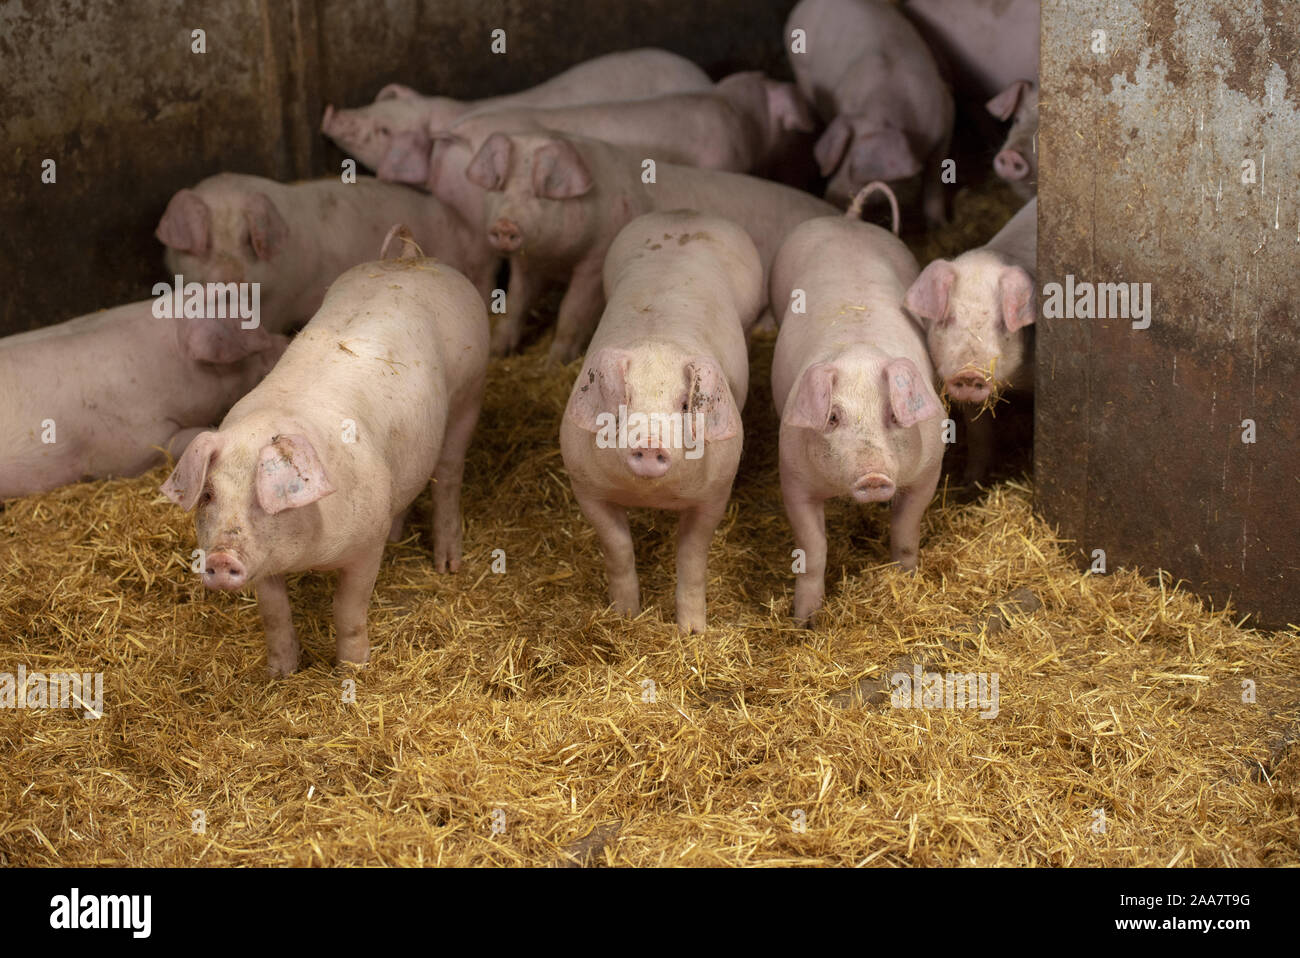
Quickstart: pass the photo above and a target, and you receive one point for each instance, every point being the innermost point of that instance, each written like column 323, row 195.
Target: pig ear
column 290, row 475
column 885, row 155
column 910, row 397
column 787, row 107
column 709, row 395
column 186, row 224
column 830, row 149
column 559, row 172
column 407, row 159
column 1004, row 105
column 1016, row 293
column 490, row 164
column 220, row 341
column 185, row 483
column 927, row 299
column 811, row 406
column 396, row 91
column 602, row 388
column 267, row 229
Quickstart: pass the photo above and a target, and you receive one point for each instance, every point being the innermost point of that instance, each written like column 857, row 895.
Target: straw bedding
column 507, row 718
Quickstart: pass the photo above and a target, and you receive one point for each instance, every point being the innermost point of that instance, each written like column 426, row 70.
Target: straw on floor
column 510, row 718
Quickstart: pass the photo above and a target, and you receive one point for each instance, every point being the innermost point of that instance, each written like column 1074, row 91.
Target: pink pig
column 871, row 76
column 555, row 203
column 745, row 123
column 852, row 383
column 976, row 311
column 104, row 395
column 399, row 113
column 312, row 469
column 295, row 239
column 654, row 418
column 1017, row 161
column 987, row 45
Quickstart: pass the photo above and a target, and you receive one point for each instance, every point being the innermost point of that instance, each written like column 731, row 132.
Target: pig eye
column 383, row 131
column 834, row 419
column 205, row 497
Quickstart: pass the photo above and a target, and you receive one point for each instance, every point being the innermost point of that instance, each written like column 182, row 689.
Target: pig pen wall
column 1171, row 156
column 113, row 93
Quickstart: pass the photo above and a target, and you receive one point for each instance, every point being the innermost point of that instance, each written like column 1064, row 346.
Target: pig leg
column 352, row 602
column 447, row 478
column 695, row 531
column 282, row 650
column 580, row 311
column 808, row 520
column 395, row 532
column 979, row 443
column 610, row 522
column 905, row 518
column 520, row 290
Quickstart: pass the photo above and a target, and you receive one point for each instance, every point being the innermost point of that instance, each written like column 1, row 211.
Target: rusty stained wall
column 1138, row 435
column 111, row 91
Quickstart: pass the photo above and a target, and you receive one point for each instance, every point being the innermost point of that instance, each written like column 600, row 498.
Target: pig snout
column 505, row 235
column 969, row 385
column 873, row 487
column 1010, row 165
column 224, row 571
column 649, row 463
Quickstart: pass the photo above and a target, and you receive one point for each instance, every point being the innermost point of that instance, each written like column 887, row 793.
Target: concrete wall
column 1138, row 438
column 113, row 94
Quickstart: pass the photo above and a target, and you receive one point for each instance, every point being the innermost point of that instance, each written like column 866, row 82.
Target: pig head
column 667, row 404
column 976, row 311
column 856, row 150
column 221, row 233
column 252, row 493
column 532, row 185
column 398, row 115
column 1017, row 161
column 856, row 416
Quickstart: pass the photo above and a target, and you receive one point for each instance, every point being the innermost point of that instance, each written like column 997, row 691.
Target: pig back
column 767, row 211
column 686, row 277
column 393, row 346
column 854, row 276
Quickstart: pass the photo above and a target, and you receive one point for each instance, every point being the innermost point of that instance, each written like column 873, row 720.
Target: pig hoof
column 281, row 669
column 691, row 626
column 446, row 559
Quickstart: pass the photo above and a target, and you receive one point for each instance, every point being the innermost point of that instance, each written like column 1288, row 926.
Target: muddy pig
column 105, row 394
column 852, row 384
column 368, row 133
column 295, row 239
column 872, row 78
column 654, row 418
column 313, row 468
column 977, row 311
column 555, row 203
